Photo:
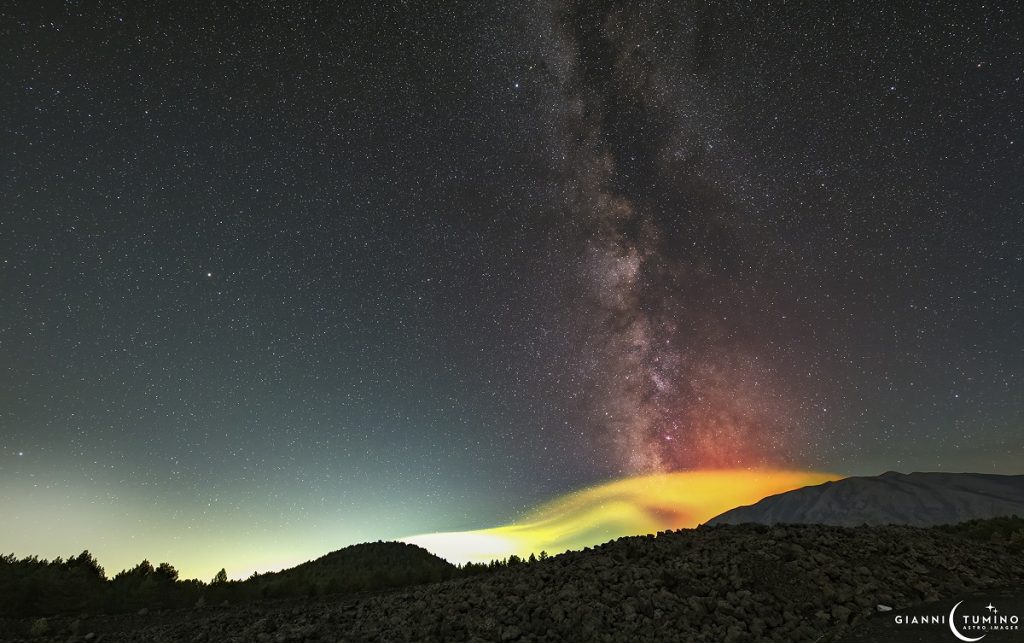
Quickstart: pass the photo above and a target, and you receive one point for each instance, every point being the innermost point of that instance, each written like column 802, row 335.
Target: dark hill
column 363, row 567
column 919, row 499
column 33, row 587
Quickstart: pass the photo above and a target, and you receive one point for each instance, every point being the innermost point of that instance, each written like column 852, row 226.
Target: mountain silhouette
column 366, row 566
column 918, row 499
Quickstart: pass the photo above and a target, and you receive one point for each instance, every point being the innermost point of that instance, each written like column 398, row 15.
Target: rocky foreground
column 727, row 583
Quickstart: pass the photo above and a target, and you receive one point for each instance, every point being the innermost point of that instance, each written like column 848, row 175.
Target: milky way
column 674, row 384
column 282, row 277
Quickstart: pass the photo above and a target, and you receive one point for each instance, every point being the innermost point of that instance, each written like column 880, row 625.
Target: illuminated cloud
column 627, row 507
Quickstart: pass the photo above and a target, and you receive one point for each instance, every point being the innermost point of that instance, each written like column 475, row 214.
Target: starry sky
column 276, row 279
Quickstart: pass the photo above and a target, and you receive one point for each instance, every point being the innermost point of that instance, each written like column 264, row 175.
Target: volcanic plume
column 638, row 505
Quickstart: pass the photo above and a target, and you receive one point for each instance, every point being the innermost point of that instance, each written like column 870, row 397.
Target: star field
column 309, row 274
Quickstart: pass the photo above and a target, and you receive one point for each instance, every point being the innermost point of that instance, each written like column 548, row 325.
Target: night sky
column 279, row 279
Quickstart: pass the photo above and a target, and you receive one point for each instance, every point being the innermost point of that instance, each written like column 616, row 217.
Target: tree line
column 31, row 586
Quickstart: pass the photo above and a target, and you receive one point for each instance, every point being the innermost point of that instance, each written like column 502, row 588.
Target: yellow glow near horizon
column 627, row 507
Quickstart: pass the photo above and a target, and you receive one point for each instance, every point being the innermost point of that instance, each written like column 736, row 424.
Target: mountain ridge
column 919, row 499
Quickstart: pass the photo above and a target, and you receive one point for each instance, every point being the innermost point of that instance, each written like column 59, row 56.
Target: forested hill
column 361, row 567
column 32, row 586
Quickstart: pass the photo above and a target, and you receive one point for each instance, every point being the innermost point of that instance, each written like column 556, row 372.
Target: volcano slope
column 918, row 499
column 718, row 583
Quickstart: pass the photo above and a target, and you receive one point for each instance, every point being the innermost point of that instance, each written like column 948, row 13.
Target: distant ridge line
column 921, row 499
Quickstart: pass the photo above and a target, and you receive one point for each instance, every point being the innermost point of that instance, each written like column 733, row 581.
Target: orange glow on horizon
column 627, row 507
